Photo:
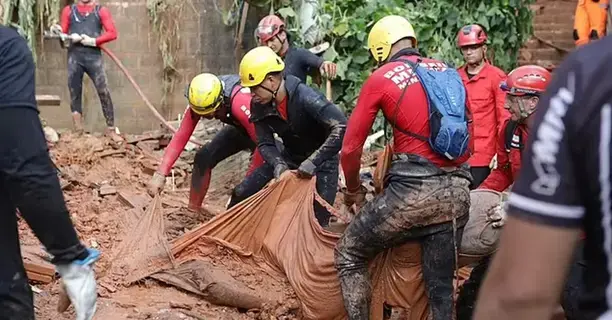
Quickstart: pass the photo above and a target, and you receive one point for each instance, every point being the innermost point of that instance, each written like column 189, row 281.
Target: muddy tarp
column 276, row 231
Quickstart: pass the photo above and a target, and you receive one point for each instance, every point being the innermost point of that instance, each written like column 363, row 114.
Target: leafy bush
column 436, row 22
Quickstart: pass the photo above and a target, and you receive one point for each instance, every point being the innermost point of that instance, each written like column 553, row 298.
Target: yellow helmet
column 385, row 33
column 257, row 64
column 205, row 93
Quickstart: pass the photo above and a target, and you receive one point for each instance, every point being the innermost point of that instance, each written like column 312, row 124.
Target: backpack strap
column 399, row 101
column 509, row 133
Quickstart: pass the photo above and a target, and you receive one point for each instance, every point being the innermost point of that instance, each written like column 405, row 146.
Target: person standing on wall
column 590, row 22
column 29, row 183
column 481, row 81
column 84, row 23
column 299, row 62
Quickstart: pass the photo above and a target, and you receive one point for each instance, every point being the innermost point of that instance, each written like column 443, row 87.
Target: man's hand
column 75, row 38
column 56, row 29
column 79, row 282
column 328, row 69
column 306, row 170
column 356, row 197
column 88, row 41
column 279, row 169
column 498, row 216
column 157, row 184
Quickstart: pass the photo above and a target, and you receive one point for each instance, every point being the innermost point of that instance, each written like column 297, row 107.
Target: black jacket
column 314, row 128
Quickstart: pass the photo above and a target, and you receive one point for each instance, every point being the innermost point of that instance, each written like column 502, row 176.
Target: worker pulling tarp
column 277, row 232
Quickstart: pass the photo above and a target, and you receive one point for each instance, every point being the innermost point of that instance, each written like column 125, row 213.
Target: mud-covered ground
column 97, row 177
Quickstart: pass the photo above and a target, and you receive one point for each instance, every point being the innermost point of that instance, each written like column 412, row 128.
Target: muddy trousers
column 468, row 293
column 90, row 63
column 409, row 209
column 479, row 174
column 327, row 186
column 29, row 183
column 226, row 143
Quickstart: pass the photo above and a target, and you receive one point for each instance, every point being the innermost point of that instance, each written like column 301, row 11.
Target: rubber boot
column 111, row 133
column 198, row 190
column 77, row 122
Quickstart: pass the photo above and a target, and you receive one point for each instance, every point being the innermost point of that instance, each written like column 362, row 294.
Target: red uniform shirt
column 486, row 102
column 240, row 111
column 508, row 161
column 382, row 91
column 110, row 32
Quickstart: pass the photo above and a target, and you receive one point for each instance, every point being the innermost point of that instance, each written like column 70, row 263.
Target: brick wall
column 206, row 44
column 554, row 23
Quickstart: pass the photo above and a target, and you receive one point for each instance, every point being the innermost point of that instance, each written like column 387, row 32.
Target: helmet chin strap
column 273, row 92
column 525, row 113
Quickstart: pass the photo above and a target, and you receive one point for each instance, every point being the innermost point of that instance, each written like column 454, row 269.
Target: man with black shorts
column 564, row 187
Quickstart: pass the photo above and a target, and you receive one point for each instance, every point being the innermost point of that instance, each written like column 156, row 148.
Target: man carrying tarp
column 564, row 187
column 29, row 184
column 426, row 195
column 311, row 127
column 523, row 86
column 299, row 62
column 220, row 98
column 481, row 81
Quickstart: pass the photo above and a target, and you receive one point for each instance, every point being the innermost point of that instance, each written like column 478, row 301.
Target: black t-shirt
column 17, row 71
column 301, row 62
column 566, row 179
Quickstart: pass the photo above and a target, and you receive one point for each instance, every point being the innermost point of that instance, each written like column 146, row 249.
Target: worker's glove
column 497, row 216
column 88, row 41
column 328, row 69
column 56, row 29
column 279, row 169
column 75, row 38
column 157, row 184
column 79, row 281
column 356, row 197
column 307, row 169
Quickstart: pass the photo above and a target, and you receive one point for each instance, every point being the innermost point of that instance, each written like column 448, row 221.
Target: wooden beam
column 48, row 100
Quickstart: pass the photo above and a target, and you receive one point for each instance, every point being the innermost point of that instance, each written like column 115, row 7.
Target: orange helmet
column 526, row 80
column 269, row 27
column 471, row 35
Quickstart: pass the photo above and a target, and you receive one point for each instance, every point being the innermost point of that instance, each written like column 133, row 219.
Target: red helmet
column 526, row 80
column 269, row 27
column 470, row 35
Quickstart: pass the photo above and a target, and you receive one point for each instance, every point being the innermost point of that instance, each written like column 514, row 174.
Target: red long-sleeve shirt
column 508, row 162
column 240, row 110
column 381, row 91
column 110, row 32
column 486, row 102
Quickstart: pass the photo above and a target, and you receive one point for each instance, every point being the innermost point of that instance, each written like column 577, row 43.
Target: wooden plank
column 133, row 200
column 48, row 100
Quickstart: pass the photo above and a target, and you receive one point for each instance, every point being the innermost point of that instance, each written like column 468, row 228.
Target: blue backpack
column 448, row 121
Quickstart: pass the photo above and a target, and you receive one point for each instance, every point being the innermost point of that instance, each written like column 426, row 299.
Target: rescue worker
column 310, row 126
column 29, row 183
column 590, row 20
column 481, row 81
column 84, row 22
column 524, row 86
column 299, row 62
column 563, row 188
column 220, row 98
column 426, row 196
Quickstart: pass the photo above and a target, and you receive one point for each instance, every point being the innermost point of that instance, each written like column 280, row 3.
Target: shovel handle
column 328, row 90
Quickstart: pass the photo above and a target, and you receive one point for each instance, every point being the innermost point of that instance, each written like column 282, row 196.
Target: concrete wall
column 206, row 44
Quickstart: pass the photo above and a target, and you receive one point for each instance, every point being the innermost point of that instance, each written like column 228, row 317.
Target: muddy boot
column 77, row 122
column 111, row 133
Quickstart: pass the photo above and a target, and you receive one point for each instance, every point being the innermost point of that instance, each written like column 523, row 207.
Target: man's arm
column 110, row 32
column 266, row 144
column 65, row 19
column 310, row 59
column 359, row 126
column 179, row 140
column 501, row 177
column 546, row 212
column 330, row 117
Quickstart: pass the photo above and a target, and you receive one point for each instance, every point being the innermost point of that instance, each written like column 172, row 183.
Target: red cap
column 269, row 27
column 470, row 35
